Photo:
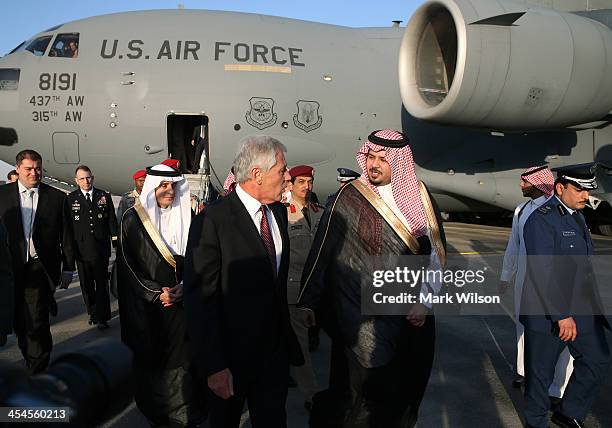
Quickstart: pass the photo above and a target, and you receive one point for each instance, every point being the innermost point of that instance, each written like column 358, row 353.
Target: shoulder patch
column 561, row 210
column 315, row 207
column 545, row 209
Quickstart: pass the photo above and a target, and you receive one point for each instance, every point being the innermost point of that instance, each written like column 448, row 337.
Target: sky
column 21, row 19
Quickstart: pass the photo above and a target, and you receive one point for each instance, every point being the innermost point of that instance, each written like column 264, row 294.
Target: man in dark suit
column 7, row 288
column 198, row 141
column 93, row 226
column 235, row 292
column 560, row 304
column 32, row 213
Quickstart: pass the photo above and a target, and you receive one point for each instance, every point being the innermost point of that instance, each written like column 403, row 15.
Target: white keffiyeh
column 172, row 223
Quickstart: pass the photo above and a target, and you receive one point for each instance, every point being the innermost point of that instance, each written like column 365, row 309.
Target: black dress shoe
column 518, row 382
column 92, row 320
column 565, row 421
column 103, row 325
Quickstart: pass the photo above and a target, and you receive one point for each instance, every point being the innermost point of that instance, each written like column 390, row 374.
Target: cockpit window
column 65, row 46
column 39, row 45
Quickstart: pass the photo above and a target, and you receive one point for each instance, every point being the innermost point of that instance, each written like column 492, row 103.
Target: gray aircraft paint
column 134, row 69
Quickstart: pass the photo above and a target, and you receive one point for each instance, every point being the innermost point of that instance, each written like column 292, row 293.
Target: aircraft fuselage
column 318, row 88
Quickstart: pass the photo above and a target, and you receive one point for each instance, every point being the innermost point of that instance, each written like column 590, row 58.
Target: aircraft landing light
column 257, row 67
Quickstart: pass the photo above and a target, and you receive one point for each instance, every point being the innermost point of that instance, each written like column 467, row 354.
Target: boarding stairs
column 199, row 185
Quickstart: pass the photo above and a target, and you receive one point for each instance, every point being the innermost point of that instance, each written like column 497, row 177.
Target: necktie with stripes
column 266, row 237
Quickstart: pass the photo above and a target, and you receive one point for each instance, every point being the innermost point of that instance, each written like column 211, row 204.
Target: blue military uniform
column 560, row 283
column 345, row 175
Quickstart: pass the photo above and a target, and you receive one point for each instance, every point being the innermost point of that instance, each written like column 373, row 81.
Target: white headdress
column 180, row 211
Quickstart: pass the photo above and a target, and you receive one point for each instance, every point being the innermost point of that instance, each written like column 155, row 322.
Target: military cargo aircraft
column 482, row 88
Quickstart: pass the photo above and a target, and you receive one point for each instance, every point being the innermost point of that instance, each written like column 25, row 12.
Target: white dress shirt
column 386, row 193
column 28, row 199
column 90, row 192
column 253, row 206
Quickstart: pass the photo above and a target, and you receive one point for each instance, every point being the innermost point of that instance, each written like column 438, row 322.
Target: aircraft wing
column 571, row 5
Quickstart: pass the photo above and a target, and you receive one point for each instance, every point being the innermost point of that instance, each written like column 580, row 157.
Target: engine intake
column 502, row 65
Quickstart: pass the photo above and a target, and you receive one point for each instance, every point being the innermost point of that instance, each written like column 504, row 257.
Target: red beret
column 172, row 163
column 139, row 174
column 301, row 170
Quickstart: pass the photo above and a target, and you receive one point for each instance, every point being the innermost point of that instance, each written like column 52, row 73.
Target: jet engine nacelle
column 504, row 65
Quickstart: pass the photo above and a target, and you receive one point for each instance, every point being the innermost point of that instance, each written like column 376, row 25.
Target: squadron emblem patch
column 261, row 115
column 307, row 117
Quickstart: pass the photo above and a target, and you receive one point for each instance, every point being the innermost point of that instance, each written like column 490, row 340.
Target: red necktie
column 266, row 237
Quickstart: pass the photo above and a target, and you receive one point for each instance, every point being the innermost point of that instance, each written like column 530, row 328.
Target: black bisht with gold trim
column 357, row 235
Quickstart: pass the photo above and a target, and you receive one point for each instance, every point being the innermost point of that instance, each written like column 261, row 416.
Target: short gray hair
column 257, row 151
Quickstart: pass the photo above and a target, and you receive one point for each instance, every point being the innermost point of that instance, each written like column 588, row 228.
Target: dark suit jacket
column 7, row 286
column 50, row 240
column 91, row 225
column 237, row 313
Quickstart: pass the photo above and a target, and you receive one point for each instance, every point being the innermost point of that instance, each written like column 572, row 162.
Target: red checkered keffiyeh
column 542, row 178
column 230, row 182
column 404, row 182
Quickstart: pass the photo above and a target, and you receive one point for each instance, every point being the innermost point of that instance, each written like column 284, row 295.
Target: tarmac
column 471, row 381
